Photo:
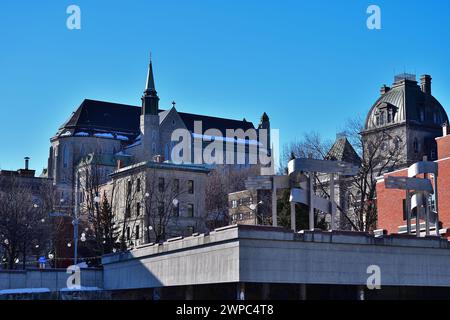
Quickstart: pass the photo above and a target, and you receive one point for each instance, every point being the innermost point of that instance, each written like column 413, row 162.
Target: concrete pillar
column 265, row 291
column 408, row 212
column 311, row 201
column 333, row 207
column 436, row 203
column 189, row 292
column 418, row 214
column 427, row 215
column 240, row 292
column 302, row 292
column 293, row 222
column 360, row 293
column 274, row 205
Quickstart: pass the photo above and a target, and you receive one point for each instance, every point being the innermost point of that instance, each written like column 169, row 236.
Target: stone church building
column 117, row 139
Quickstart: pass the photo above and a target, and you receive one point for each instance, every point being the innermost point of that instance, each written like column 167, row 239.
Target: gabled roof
column 342, row 150
column 98, row 116
column 92, row 114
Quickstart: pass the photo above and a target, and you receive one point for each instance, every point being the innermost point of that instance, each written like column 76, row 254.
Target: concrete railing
column 52, row 279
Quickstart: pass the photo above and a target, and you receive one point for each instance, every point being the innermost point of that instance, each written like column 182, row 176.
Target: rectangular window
column 176, row 185
column 191, row 186
column 138, row 209
column 127, row 211
column 128, row 187
column 138, row 185
column 137, row 233
column 161, row 184
column 404, row 210
column 128, row 233
column 190, row 210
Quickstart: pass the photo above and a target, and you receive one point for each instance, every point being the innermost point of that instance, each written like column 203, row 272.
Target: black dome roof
column 406, row 102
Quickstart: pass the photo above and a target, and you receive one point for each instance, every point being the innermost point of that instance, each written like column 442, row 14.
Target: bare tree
column 378, row 154
column 222, row 181
column 162, row 204
column 23, row 226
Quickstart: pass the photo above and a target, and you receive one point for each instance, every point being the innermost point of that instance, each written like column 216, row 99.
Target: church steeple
column 150, row 99
column 149, row 122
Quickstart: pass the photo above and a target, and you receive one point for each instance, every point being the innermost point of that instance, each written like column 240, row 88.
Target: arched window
column 65, row 156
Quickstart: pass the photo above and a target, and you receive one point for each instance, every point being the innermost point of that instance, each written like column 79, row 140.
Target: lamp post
column 253, row 207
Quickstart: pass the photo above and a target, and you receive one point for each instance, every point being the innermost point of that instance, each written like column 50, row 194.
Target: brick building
column 391, row 202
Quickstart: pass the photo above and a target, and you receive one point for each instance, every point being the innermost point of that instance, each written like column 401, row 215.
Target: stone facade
column 139, row 191
column 408, row 117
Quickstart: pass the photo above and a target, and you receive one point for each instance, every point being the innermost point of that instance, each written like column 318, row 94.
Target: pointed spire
column 150, row 85
column 150, row 98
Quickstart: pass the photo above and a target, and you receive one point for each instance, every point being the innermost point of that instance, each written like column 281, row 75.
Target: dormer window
column 385, row 114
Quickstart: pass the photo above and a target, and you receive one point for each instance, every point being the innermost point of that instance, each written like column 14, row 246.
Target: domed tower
column 409, row 116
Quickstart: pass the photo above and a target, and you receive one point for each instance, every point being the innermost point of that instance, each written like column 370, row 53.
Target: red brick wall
column 390, row 205
column 443, row 147
column 390, row 201
column 444, row 192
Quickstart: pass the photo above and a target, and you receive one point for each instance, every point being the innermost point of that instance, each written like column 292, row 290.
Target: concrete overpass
column 267, row 262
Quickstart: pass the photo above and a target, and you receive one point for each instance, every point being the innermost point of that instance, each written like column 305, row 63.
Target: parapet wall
column 52, row 279
column 275, row 255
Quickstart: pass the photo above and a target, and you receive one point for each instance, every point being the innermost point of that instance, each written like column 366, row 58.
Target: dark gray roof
column 408, row 101
column 100, row 116
column 342, row 150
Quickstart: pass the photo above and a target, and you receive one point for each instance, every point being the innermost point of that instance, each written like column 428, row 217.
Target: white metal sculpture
column 418, row 192
column 305, row 193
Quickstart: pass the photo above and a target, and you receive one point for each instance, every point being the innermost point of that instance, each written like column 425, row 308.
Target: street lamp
column 253, row 207
column 75, row 232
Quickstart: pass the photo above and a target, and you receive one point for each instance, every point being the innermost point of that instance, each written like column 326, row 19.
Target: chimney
column 158, row 158
column 27, row 162
column 425, row 83
column 119, row 164
column 384, row 89
column 443, row 143
column 445, row 128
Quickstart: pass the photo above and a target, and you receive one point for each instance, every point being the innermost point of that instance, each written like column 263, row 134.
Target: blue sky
column 311, row 65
